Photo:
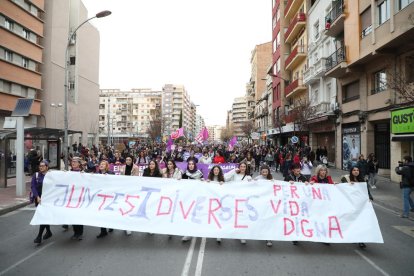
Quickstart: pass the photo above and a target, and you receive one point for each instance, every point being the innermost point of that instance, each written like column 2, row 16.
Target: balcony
column 336, row 64
column 334, row 21
column 291, row 7
column 322, row 108
column 294, row 87
column 319, row 68
column 297, row 24
column 308, row 76
column 296, row 57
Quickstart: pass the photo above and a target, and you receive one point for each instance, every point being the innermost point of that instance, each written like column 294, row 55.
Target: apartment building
column 199, row 124
column 176, row 104
column 127, row 114
column 374, row 52
column 242, row 109
column 61, row 18
column 263, row 112
column 21, row 55
column 322, row 90
column 214, row 133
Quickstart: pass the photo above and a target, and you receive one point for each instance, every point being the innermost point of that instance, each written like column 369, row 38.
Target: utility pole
column 109, row 114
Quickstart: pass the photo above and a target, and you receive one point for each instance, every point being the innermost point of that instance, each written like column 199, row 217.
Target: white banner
column 256, row 210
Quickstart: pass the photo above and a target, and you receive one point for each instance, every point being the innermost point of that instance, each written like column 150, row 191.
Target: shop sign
column 402, row 121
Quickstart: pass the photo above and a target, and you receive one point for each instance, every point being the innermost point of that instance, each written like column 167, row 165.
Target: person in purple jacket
column 37, row 185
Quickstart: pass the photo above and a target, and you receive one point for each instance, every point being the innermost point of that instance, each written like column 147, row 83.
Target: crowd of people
column 295, row 163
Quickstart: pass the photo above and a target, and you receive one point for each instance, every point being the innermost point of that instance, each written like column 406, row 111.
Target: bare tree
column 401, row 84
column 302, row 112
column 226, row 134
column 154, row 129
column 248, row 128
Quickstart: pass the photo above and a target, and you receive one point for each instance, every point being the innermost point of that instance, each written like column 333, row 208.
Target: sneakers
column 404, row 216
column 65, row 228
column 373, row 187
column 38, row 240
column 412, row 210
column 362, row 245
column 110, row 230
column 128, row 233
column 218, row 240
column 102, row 235
column 47, row 235
column 269, row 243
column 243, row 241
column 186, row 238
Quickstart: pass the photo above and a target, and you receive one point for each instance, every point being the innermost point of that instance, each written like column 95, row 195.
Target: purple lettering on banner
column 225, row 210
column 142, row 211
column 64, row 198
column 198, row 207
column 252, row 209
column 90, row 199
column 177, row 194
column 113, row 201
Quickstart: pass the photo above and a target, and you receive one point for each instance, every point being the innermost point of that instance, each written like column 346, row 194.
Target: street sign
column 294, row 139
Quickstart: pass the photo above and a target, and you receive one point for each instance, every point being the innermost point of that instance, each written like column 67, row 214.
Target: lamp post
column 65, row 104
column 55, row 106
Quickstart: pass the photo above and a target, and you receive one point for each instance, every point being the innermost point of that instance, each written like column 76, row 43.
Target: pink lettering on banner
column 170, row 202
column 316, row 193
column 123, row 213
column 337, row 227
column 287, row 232
column 275, row 209
column 185, row 214
column 293, row 190
column 237, row 211
column 70, row 198
column 276, row 188
column 308, row 232
column 104, row 199
column 211, row 211
column 294, row 208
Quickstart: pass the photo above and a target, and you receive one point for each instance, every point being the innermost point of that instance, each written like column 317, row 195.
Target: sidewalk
column 8, row 199
column 387, row 194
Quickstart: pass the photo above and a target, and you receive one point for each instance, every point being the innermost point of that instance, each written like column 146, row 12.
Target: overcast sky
column 204, row 45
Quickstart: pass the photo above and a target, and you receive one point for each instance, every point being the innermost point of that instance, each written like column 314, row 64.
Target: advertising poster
column 351, row 147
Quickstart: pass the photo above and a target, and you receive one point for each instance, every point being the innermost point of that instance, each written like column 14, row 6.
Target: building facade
column 127, row 114
column 199, row 124
column 21, row 56
column 83, row 69
column 176, row 104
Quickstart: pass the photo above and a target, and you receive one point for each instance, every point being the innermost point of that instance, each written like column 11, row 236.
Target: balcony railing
column 336, row 11
column 300, row 17
column 298, row 49
column 319, row 67
column 336, row 58
column 294, row 84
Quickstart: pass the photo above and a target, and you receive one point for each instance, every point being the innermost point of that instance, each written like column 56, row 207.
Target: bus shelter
column 45, row 143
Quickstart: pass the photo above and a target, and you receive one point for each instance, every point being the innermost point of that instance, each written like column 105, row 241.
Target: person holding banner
column 104, row 169
column 251, row 163
column 130, row 168
column 321, row 175
column 171, row 171
column 153, row 170
column 77, row 229
column 354, row 176
column 195, row 174
column 37, row 185
column 216, row 174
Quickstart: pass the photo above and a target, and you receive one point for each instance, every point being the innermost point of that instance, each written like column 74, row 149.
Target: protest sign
column 257, row 210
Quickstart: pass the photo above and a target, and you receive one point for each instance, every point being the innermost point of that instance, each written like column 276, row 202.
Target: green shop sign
column 402, row 121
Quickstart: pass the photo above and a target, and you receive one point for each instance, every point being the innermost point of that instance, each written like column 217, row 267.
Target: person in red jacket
column 321, row 175
column 219, row 158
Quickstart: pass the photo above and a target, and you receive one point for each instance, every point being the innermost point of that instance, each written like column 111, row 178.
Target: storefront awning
column 406, row 138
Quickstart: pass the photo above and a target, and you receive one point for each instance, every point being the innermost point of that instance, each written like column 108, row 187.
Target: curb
column 11, row 208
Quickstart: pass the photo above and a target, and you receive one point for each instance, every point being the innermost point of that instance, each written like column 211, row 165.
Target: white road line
column 186, row 268
column 200, row 258
column 374, row 265
column 25, row 259
column 385, row 208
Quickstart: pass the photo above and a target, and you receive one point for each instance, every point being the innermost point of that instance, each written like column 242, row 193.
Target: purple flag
column 205, row 134
column 169, row 144
column 232, row 142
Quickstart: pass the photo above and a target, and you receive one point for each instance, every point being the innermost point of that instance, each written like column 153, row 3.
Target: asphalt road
column 144, row 254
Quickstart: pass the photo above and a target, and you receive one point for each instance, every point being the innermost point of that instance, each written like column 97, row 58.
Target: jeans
column 372, row 179
column 408, row 202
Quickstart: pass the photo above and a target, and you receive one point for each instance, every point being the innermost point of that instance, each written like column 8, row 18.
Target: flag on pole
column 202, row 136
column 232, row 143
column 178, row 133
column 169, row 144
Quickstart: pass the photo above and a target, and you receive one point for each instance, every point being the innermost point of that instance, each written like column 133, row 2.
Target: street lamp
column 66, row 125
column 55, row 106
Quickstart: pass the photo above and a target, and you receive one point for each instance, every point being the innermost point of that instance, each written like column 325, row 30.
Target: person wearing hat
column 77, row 229
column 37, row 185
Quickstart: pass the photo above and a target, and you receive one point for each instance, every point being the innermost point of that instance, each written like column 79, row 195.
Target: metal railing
column 336, row 11
column 336, row 58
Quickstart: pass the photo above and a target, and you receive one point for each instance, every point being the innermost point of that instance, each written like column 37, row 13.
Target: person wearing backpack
column 37, row 186
column 406, row 170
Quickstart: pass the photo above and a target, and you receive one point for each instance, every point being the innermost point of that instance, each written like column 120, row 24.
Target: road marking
column 374, row 265
column 200, row 257
column 385, row 208
column 409, row 230
column 186, row 268
column 25, row 259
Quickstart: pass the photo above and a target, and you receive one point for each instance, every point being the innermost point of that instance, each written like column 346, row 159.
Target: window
column 350, row 92
column 278, row 39
column 403, row 3
column 71, row 85
column 366, row 25
column 8, row 55
column 26, row 34
column 72, row 60
column 379, row 82
column 25, row 62
column 8, row 24
column 383, row 11
column 316, row 30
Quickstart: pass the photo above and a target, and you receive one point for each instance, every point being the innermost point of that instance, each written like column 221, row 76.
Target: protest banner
column 257, row 210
